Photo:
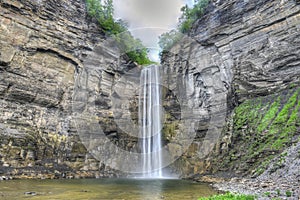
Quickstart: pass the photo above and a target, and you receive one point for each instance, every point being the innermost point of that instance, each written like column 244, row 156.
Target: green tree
column 168, row 39
column 118, row 29
column 190, row 15
column 186, row 20
column 94, row 8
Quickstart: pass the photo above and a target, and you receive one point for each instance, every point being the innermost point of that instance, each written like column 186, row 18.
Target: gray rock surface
column 50, row 51
column 238, row 50
column 44, row 47
column 278, row 181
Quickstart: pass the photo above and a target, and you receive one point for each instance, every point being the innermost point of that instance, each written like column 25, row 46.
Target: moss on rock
column 262, row 128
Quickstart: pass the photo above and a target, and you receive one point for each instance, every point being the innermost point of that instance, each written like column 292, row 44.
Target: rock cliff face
column 240, row 61
column 230, row 85
column 44, row 46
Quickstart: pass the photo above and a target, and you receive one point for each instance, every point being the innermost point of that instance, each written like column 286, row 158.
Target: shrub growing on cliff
column 187, row 19
column 169, row 39
column 288, row 193
column 190, row 15
column 103, row 12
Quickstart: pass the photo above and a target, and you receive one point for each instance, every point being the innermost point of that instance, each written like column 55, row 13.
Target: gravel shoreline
column 281, row 180
column 263, row 189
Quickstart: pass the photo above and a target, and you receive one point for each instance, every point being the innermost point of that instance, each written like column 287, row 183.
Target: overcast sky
column 150, row 18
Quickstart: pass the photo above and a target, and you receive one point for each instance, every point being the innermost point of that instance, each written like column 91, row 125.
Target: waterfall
column 150, row 122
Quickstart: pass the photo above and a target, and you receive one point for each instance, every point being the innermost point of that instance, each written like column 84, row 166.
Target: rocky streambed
column 281, row 180
column 264, row 189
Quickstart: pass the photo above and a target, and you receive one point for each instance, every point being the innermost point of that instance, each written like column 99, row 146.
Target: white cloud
column 149, row 13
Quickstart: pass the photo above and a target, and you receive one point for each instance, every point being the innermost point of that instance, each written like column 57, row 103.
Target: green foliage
column 229, row 196
column 103, row 13
column 133, row 48
column 283, row 114
column 278, row 192
column 264, row 126
column 268, row 194
column 263, row 166
column 169, row 39
column 269, row 116
column 284, row 124
column 288, row 193
column 245, row 113
column 190, row 15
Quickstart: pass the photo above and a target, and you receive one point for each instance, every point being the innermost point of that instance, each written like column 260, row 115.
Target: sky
column 150, row 18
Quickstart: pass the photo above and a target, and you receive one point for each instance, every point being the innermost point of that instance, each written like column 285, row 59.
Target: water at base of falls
column 150, row 116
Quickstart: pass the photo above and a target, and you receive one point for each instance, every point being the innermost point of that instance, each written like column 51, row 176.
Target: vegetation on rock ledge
column 188, row 18
column 190, row 15
column 229, row 196
column 265, row 126
column 118, row 30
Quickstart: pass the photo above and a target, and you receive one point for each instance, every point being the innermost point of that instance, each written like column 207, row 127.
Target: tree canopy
column 168, row 39
column 118, row 29
column 187, row 19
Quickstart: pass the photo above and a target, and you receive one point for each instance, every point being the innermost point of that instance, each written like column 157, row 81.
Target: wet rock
column 5, row 178
column 30, row 193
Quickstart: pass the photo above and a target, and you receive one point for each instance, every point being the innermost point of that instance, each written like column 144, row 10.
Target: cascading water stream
column 150, row 122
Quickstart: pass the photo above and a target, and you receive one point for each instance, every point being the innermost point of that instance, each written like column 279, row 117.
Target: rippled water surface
column 130, row 189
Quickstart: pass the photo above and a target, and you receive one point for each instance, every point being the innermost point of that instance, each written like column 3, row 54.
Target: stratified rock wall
column 240, row 57
column 44, row 46
column 239, row 50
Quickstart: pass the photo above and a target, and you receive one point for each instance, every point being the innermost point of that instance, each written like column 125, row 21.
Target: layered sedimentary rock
column 45, row 46
column 230, row 85
column 239, row 53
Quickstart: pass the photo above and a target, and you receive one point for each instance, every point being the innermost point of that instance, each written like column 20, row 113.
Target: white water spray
column 150, row 122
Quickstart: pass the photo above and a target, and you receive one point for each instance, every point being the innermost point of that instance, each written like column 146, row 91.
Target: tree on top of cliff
column 187, row 19
column 168, row 39
column 118, row 29
column 190, row 15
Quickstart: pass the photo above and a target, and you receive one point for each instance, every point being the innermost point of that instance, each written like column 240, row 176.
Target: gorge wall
column 231, row 83
column 44, row 46
column 240, row 62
